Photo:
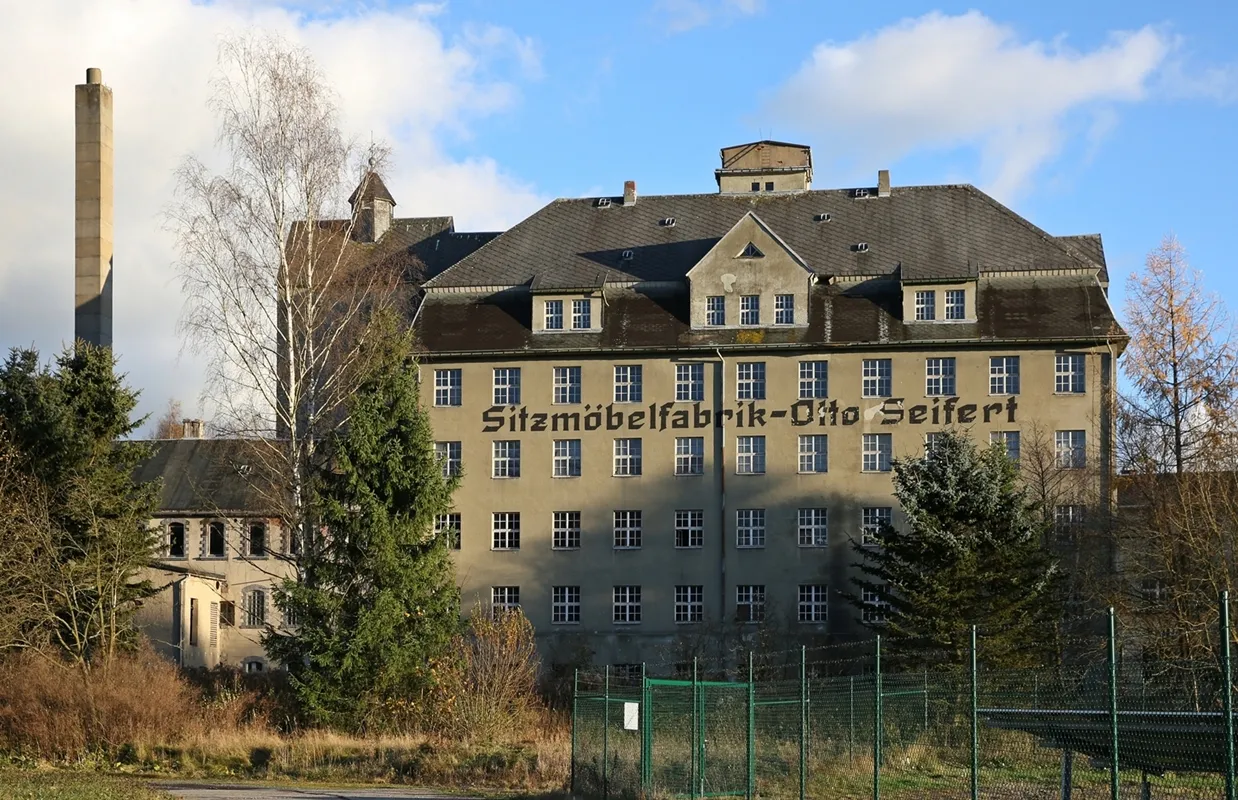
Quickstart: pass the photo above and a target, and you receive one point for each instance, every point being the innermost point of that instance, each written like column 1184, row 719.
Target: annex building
column 674, row 414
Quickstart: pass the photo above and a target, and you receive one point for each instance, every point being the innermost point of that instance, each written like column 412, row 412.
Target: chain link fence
column 836, row 722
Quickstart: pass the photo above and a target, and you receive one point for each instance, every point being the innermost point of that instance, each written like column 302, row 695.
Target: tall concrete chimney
column 93, row 216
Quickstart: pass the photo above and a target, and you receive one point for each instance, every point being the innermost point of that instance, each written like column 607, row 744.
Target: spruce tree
column 375, row 605
column 972, row 552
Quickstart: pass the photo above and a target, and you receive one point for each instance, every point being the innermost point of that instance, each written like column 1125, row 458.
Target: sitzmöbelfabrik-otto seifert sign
column 678, row 416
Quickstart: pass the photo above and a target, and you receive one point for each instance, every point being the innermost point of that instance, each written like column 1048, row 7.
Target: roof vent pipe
column 629, row 193
column 883, row 183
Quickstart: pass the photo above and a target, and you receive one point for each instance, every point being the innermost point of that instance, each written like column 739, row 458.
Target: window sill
column 812, row 472
column 448, row 405
column 750, row 474
column 564, row 477
column 822, row 546
column 566, row 403
column 638, row 401
column 681, row 400
column 504, row 477
column 252, row 557
column 876, row 396
column 175, row 558
column 504, row 549
column 813, row 622
column 749, row 547
column 617, row 622
column 214, row 558
column 629, row 547
column 875, row 471
column 689, row 547
column 627, row 475
column 1070, row 394
column 564, row 549
column 700, row 474
column 1003, row 394
column 565, row 623
column 693, row 622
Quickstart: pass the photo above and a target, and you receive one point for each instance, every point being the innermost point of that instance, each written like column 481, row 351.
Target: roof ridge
column 1031, row 226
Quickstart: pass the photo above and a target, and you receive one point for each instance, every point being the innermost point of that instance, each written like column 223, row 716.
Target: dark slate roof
column 371, row 187
column 205, row 476
column 926, row 233
column 868, row 312
column 422, row 246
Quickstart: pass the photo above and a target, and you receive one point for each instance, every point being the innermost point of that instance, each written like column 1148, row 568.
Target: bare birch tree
column 277, row 298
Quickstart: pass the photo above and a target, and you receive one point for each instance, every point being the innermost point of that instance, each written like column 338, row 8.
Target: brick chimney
column 629, row 193
column 93, row 195
column 193, row 428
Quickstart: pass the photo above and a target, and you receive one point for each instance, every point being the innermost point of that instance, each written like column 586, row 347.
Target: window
column 814, row 527
column 1071, row 449
column 750, row 527
column 873, row 522
column 253, row 608
column 756, row 186
column 447, row 387
column 689, row 455
column 1069, row 374
column 769, row 186
column 814, row 453
column 628, row 383
column 939, row 377
column 507, row 386
column 565, row 530
column 566, row 385
column 750, row 380
column 749, row 603
column 689, row 529
column 506, row 458
column 227, row 613
column 750, row 309
column 931, row 440
column 689, row 604
column 1004, row 375
column 750, row 458
column 877, row 450
column 554, row 315
column 565, row 605
column 1067, row 523
column 926, row 306
column 689, row 383
column 193, row 622
column 874, row 607
column 784, row 309
column 627, row 605
column 956, row 304
column 254, row 666
column 449, row 458
column 813, row 602
column 504, row 599
column 627, row 457
column 567, row 458
column 715, row 310
column 877, row 380
column 582, row 315
column 1008, row 440
column 448, row 525
column 505, row 530
column 257, row 540
column 176, row 540
column 627, row 530
column 814, row 379
column 216, row 539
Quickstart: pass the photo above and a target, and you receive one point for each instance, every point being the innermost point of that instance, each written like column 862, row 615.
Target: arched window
column 216, row 539
column 176, row 540
column 253, row 666
column 257, row 543
column 254, row 608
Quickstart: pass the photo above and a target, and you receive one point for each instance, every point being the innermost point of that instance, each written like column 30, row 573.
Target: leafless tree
column 171, row 425
column 278, row 294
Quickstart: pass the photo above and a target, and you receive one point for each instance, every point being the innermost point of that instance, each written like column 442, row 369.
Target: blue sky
column 1098, row 116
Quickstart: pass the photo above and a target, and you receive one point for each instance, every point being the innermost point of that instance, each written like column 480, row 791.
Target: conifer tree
column 972, row 552
column 375, row 606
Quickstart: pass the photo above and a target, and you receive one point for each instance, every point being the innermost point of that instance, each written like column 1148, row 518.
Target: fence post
column 803, row 721
column 1227, row 696
column 605, row 730
column 975, row 722
column 851, row 721
column 877, row 721
column 696, row 732
column 575, row 691
column 1114, row 775
column 752, row 732
column 926, row 703
column 646, row 733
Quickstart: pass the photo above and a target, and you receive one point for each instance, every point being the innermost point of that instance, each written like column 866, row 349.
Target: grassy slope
column 73, row 786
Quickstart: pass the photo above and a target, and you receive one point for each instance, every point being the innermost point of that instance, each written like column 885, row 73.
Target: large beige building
column 673, row 415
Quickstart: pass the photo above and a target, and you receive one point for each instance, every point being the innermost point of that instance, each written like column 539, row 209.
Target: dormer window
column 956, row 304
column 926, row 306
column 582, row 315
column 750, row 309
column 554, row 315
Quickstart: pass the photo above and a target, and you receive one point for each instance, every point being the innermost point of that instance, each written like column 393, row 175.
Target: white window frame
column 749, row 528
column 956, row 304
column 505, row 458
column 253, row 608
column 814, row 452
column 628, row 383
column 690, row 382
column 627, row 526
column 1068, row 522
column 1003, row 375
column 877, row 377
column 926, row 305
column 565, row 605
column 931, row 439
column 875, row 609
column 504, row 600
column 566, row 386
column 450, row 458
column 784, row 309
column 448, row 387
column 813, row 603
column 626, row 604
column 939, row 376
column 1070, row 373
column 582, row 314
column 689, row 604
column 877, row 452
column 1071, row 447
column 628, row 457
column 872, row 520
column 749, row 455
column 505, row 530
column 689, row 455
column 448, row 523
column 750, row 310
column 565, row 530
column 813, row 527
column 750, row 380
column 689, row 529
column 814, row 379
column 1005, row 438
column 752, row 597
column 565, row 458
column 553, row 319
column 507, row 386
column 715, row 310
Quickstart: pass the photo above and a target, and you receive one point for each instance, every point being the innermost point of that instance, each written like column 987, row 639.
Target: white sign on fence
column 631, row 716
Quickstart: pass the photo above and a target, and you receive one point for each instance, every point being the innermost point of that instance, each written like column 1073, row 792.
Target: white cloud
column 397, row 77
column 940, row 82
column 679, row 16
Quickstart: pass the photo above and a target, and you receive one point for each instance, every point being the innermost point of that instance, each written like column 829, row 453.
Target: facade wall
column 719, row 565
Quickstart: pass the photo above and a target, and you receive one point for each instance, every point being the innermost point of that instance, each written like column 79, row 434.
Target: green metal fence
column 833, row 722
